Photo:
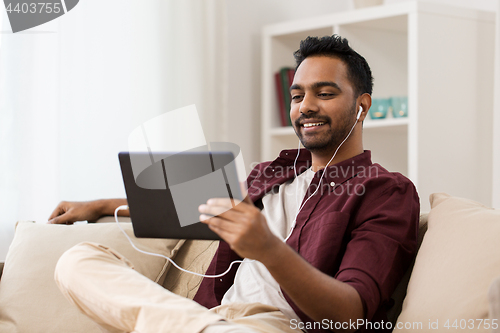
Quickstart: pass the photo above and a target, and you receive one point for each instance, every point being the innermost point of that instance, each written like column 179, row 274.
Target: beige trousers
column 104, row 286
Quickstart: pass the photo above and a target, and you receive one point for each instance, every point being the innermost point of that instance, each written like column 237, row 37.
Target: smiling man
column 325, row 233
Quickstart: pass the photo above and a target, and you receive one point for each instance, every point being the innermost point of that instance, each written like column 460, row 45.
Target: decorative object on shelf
column 399, row 106
column 367, row 3
column 283, row 80
column 380, row 107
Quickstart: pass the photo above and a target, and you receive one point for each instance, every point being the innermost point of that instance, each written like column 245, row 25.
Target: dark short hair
column 359, row 72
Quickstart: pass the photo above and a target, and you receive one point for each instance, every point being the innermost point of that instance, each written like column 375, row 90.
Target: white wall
column 474, row 4
column 71, row 91
column 496, row 120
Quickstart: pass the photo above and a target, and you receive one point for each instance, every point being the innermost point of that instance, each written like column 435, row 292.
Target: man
column 350, row 226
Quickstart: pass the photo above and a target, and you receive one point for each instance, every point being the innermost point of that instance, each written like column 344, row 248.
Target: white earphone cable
column 320, row 179
column 123, row 207
column 162, row 256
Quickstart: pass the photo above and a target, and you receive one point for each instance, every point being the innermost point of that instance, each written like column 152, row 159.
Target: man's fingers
column 56, row 220
column 221, row 224
column 225, row 212
column 58, row 211
column 61, row 219
column 61, row 209
column 220, row 227
column 234, row 204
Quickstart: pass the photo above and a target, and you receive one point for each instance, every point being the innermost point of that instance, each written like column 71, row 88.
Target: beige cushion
column 494, row 300
column 29, row 298
column 194, row 256
column 457, row 261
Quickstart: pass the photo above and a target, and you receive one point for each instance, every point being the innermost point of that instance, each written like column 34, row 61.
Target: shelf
column 280, row 131
column 387, row 122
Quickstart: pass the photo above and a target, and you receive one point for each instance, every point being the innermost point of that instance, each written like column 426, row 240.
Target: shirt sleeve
column 382, row 243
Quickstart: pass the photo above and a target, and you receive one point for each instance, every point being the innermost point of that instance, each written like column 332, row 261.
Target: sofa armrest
column 1, row 269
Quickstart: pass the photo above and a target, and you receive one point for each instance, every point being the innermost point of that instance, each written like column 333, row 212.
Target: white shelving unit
column 441, row 57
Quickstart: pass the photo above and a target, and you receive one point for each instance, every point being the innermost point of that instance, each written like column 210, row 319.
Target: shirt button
column 332, row 184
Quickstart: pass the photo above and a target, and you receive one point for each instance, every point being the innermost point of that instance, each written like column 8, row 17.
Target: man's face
column 323, row 108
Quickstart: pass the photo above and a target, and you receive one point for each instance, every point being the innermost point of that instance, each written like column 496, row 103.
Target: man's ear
column 365, row 101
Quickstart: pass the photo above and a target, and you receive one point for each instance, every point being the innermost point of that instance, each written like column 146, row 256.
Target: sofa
column 452, row 285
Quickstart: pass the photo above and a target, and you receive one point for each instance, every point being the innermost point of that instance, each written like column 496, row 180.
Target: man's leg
column 255, row 317
column 101, row 283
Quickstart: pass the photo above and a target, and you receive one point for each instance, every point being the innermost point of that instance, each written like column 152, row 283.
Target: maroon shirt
column 360, row 228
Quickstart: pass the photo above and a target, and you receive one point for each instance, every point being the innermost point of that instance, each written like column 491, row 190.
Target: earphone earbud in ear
column 320, row 178
column 359, row 112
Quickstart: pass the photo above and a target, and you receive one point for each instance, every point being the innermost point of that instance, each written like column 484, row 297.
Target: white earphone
column 324, row 170
column 359, row 113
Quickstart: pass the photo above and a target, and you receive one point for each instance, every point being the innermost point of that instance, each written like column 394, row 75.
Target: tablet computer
column 165, row 189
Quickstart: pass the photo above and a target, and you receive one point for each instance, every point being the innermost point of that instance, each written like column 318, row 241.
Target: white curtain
column 72, row 90
column 496, row 118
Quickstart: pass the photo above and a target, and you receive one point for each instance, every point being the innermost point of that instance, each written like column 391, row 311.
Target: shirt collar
column 336, row 173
